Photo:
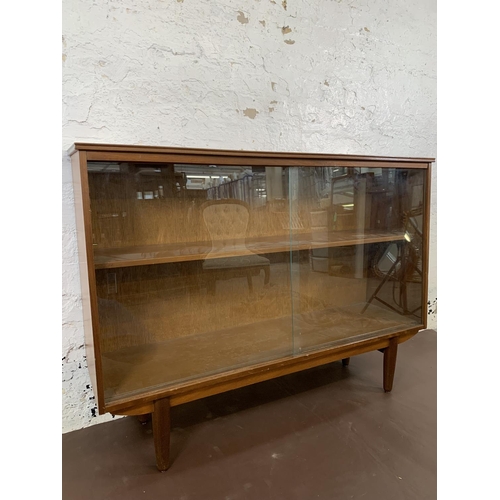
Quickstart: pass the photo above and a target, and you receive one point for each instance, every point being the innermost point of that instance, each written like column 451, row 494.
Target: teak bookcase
column 208, row 270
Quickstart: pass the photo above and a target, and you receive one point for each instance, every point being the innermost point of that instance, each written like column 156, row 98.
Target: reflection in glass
column 227, row 223
column 192, row 269
column 363, row 271
column 205, row 268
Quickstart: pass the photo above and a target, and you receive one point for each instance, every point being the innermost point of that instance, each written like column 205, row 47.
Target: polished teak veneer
column 207, row 270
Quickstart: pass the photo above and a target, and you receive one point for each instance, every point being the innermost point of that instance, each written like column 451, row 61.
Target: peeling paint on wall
column 242, row 18
column 250, row 112
column 432, row 312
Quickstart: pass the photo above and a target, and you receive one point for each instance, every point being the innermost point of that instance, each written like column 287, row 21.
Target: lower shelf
column 135, row 370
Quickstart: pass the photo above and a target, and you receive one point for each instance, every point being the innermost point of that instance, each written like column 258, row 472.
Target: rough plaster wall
column 332, row 76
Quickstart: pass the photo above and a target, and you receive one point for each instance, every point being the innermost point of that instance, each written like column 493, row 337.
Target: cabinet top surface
column 120, row 148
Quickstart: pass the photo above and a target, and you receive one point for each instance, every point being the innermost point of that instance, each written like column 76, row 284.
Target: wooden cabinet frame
column 159, row 401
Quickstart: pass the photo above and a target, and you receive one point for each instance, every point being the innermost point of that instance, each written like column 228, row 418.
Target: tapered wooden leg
column 390, row 355
column 345, row 361
column 161, row 432
column 144, row 419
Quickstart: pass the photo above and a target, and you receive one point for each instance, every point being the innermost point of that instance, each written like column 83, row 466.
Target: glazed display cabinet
column 208, row 270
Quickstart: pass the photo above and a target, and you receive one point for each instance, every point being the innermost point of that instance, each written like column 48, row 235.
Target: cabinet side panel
column 426, row 245
column 87, row 275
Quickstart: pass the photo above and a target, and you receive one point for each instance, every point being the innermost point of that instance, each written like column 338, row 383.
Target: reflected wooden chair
column 227, row 223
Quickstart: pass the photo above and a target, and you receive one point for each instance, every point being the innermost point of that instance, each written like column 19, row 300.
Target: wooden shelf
column 132, row 370
column 182, row 252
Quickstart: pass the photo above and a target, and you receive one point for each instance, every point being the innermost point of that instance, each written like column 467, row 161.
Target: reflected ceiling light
column 206, row 176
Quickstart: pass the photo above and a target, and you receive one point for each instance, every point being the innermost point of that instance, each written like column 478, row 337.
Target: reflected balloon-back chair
column 227, row 223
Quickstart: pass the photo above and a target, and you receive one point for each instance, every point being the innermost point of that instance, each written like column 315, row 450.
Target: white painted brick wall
column 332, row 76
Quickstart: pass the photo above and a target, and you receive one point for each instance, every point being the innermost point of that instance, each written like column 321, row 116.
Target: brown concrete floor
column 328, row 433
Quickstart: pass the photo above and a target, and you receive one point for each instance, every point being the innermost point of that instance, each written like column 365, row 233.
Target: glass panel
column 192, row 270
column 356, row 252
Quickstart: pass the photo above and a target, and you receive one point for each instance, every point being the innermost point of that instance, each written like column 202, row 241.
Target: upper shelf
column 181, row 252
